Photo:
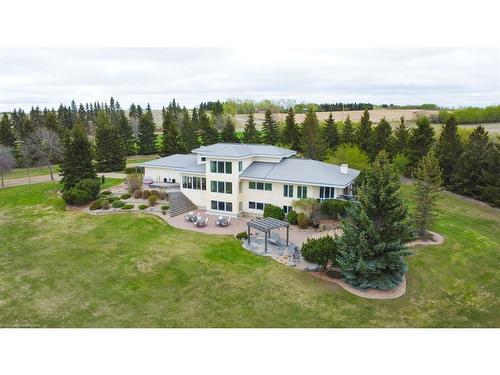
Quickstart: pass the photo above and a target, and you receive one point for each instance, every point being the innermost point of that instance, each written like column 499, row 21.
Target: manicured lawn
column 69, row 269
column 36, row 171
column 138, row 159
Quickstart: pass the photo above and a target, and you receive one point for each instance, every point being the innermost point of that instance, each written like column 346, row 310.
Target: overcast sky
column 48, row 77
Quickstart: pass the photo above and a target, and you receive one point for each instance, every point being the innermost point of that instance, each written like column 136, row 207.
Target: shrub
column 302, row 220
column 76, row 196
column 334, row 207
column 106, row 192
column 165, row 207
column 118, row 203
column 274, row 211
column 146, row 193
column 127, row 207
column 90, row 185
column 105, row 205
column 242, row 236
column 321, row 251
column 134, row 182
column 126, row 196
column 155, row 192
column 111, row 199
column 152, row 200
column 137, row 194
column 143, row 206
column 163, row 195
column 95, row 205
column 291, row 217
column 132, row 170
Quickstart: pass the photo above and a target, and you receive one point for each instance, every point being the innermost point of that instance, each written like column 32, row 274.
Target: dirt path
column 57, row 177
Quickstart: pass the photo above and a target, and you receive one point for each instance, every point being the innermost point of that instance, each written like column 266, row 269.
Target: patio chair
column 202, row 223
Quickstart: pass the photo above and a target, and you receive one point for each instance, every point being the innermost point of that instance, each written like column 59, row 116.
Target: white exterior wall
column 197, row 196
column 158, row 174
column 233, row 178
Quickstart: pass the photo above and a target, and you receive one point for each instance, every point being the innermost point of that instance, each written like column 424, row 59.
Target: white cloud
column 47, row 77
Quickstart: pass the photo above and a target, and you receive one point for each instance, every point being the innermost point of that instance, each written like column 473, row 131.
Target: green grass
column 68, row 269
column 138, row 159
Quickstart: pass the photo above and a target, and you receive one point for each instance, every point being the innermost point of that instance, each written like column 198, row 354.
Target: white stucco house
column 240, row 179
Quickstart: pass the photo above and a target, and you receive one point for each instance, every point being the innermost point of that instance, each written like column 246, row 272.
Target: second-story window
column 301, row 191
column 221, row 167
column 221, row 187
column 240, row 166
column 288, row 191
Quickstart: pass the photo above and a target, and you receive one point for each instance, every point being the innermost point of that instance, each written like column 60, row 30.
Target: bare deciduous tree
column 7, row 161
column 42, row 147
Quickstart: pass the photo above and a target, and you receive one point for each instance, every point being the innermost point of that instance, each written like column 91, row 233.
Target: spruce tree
column 348, row 133
column 331, row 133
column 364, row 132
column 146, row 136
column 313, row 144
column 170, row 135
column 77, row 159
column 110, row 152
column 125, row 133
column 270, row 131
column 380, row 137
column 448, row 149
column 228, row 134
column 51, row 122
column 7, row 137
column 428, row 184
column 291, row 133
column 372, row 246
column 489, row 182
column 400, row 141
column 250, row 134
column 209, row 135
column 472, row 163
column 421, row 140
column 188, row 132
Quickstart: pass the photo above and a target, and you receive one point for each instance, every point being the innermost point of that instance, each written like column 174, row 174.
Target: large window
column 287, row 209
column 221, row 187
column 288, row 191
column 221, row 167
column 326, row 192
column 256, row 205
column 301, row 191
column 194, row 183
column 240, row 166
column 260, row 186
column 221, row 206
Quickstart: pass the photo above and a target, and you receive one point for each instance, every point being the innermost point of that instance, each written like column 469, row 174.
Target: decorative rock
column 291, row 264
column 312, row 269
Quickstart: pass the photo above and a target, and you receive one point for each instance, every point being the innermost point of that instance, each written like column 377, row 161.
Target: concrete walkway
column 57, row 177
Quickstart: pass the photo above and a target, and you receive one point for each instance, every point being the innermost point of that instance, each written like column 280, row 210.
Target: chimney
column 344, row 168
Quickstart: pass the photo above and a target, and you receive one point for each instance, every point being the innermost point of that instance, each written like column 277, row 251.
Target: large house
column 237, row 179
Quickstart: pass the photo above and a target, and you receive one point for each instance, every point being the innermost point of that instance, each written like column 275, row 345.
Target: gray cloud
column 47, row 77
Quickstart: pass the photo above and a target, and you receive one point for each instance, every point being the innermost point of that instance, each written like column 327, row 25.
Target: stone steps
column 180, row 204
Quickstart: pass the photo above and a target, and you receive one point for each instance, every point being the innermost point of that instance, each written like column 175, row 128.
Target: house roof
column 239, row 150
column 305, row 171
column 177, row 161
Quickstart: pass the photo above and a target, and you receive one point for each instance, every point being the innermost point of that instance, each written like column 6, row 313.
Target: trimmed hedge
column 242, row 236
column 302, row 220
column 274, row 211
column 127, row 207
column 143, row 206
column 106, row 192
column 334, row 207
column 291, row 217
column 118, row 203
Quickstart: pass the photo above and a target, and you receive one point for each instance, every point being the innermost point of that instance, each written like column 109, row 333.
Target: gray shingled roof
column 177, row 161
column 306, row 171
column 238, row 150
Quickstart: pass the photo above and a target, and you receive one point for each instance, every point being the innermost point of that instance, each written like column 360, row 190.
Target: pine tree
column 428, row 184
column 448, row 149
column 228, row 134
column 7, row 137
column 209, row 135
column 125, row 133
column 51, row 122
column 250, row 134
column 364, row 132
column 331, row 133
column 147, row 137
column 372, row 246
column 421, row 140
column 77, row 159
column 110, row 152
column 489, row 182
column 170, row 136
column 472, row 163
column 270, row 131
column 313, row 145
column 380, row 137
column 400, row 142
column 291, row 133
column 348, row 133
column 188, row 132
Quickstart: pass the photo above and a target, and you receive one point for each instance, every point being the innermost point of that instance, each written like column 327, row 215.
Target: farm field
column 62, row 268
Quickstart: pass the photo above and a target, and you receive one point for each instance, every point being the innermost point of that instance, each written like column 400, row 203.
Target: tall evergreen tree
column 51, row 122
column 348, row 135
column 364, row 132
column 125, row 133
column 400, row 141
column 448, row 149
column 209, row 135
column 421, row 140
column 270, row 131
column 372, row 246
column 188, row 132
column 110, row 152
column 489, row 182
column 291, row 133
column 195, row 121
column 147, row 137
column 472, row 163
column 380, row 137
column 428, row 184
column 228, row 133
column 313, row 145
column 77, row 159
column 251, row 135
column 7, row 137
column 170, row 136
column 331, row 132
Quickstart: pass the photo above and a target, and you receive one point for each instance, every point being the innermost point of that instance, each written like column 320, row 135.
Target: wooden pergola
column 266, row 225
